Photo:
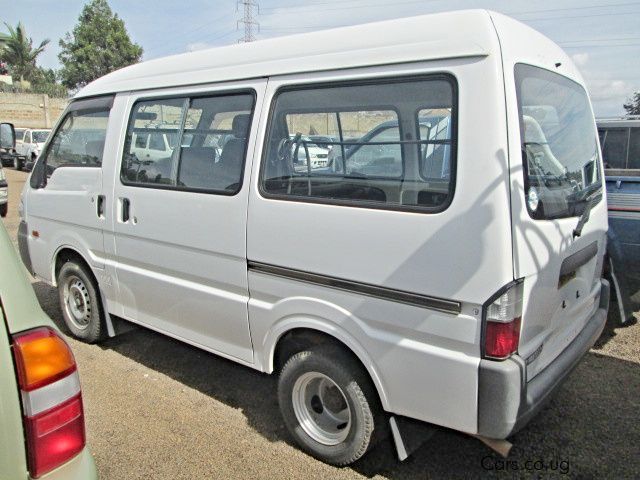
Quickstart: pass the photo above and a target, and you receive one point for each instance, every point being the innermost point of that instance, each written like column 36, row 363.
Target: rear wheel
column 80, row 303
column 4, row 208
column 328, row 404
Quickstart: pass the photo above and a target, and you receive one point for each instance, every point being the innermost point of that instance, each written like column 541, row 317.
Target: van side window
column 79, row 141
column 390, row 144
column 194, row 143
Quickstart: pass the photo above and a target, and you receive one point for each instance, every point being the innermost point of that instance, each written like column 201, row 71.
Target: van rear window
column 559, row 144
column 385, row 144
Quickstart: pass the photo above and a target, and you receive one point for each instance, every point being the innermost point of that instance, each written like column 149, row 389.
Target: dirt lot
column 160, row 409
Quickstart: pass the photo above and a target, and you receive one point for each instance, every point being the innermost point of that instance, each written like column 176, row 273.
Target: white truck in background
column 29, row 149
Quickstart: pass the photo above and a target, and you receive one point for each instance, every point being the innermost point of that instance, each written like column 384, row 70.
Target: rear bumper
column 506, row 402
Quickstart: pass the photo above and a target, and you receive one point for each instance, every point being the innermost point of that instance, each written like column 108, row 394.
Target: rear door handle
column 100, row 206
column 125, row 210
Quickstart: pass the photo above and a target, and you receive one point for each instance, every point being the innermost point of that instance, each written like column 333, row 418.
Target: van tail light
column 51, row 399
column 503, row 316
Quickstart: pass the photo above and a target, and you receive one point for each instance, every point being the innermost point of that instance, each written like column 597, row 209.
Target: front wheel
column 81, row 307
column 4, row 208
column 17, row 163
column 328, row 404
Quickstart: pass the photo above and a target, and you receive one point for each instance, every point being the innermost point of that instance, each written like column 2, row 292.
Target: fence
column 31, row 110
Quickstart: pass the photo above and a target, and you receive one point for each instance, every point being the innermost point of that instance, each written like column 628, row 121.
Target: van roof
column 420, row 38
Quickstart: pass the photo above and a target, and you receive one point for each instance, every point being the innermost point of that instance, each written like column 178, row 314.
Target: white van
column 452, row 275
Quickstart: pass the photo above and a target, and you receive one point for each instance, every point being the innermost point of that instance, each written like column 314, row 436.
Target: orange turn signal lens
column 42, row 357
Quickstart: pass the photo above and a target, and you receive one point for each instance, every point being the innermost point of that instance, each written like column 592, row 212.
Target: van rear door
column 558, row 189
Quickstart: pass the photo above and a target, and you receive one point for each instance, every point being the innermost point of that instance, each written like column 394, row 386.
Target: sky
column 602, row 36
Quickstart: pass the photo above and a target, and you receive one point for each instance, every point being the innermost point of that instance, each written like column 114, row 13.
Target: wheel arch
column 65, row 253
column 311, row 331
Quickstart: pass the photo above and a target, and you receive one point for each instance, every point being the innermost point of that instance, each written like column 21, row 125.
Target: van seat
column 197, row 168
column 232, row 156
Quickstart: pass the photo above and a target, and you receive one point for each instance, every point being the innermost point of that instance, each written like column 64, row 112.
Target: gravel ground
column 159, row 409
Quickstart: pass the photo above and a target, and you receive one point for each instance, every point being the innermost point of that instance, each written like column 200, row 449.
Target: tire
column 17, row 163
column 80, row 302
column 4, row 208
column 327, row 371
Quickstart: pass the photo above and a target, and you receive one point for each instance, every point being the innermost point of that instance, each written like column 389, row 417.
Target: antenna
column 248, row 19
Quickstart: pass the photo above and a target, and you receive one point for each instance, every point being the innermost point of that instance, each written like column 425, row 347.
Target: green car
column 42, row 431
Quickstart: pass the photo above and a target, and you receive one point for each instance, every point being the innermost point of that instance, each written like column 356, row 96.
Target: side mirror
column 7, row 136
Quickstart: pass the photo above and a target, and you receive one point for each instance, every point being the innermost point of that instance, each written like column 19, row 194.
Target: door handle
column 125, row 210
column 100, row 206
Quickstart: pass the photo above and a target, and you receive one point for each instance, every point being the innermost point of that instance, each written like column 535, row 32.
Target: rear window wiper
column 586, row 213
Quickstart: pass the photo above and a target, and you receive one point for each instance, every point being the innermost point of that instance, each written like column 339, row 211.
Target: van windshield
column 559, row 144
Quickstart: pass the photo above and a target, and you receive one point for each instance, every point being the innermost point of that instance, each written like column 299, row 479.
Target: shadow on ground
column 588, row 430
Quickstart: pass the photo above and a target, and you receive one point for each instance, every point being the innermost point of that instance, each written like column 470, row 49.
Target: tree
column 44, row 80
column 99, row 44
column 633, row 105
column 19, row 53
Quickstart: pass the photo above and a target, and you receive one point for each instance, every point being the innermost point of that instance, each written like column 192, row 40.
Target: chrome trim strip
column 37, row 401
column 400, row 296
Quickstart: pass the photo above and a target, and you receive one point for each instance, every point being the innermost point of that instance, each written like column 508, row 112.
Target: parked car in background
column 20, row 134
column 620, row 142
column 42, row 427
column 153, row 146
column 307, row 150
column 324, row 141
column 29, row 149
column 378, row 151
column 19, row 139
column 4, row 194
column 7, row 144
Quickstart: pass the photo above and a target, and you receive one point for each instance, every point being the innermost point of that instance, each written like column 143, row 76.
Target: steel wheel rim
column 321, row 408
column 77, row 302
column 15, row 162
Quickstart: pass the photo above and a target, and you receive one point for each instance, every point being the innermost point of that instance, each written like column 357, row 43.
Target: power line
column 248, row 19
column 323, row 27
column 601, row 39
column 593, row 15
column 189, row 33
column 313, row 7
column 529, row 12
